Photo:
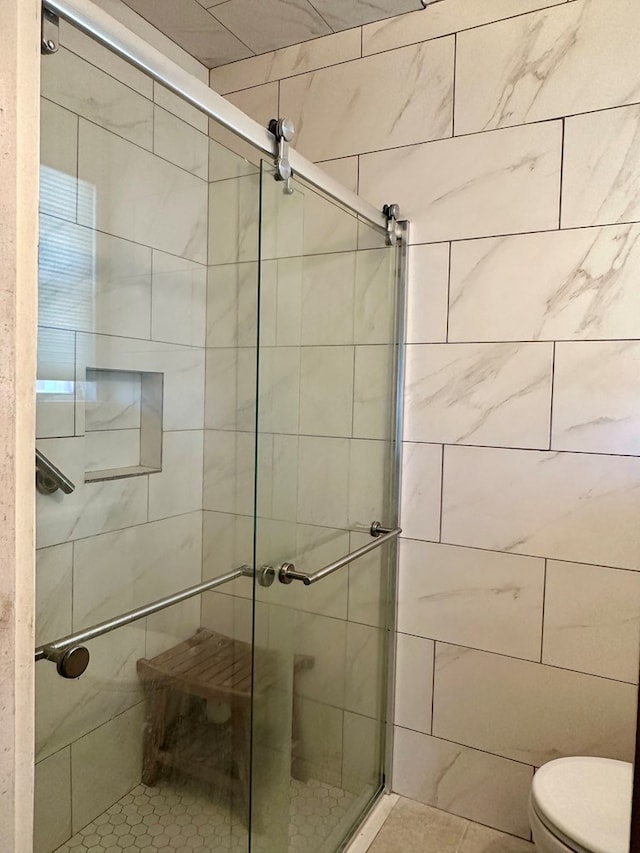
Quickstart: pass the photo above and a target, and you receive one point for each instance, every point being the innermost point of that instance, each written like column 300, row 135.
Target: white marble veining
column 494, row 394
column 414, row 683
column 567, row 506
column 482, row 599
column 111, row 449
column 54, row 569
column 592, row 620
column 315, row 547
column 328, row 284
column 341, row 16
column 52, row 802
column 232, row 305
column 464, row 781
column 234, row 207
column 179, row 107
column 375, row 296
column 482, row 185
column 259, row 103
column 369, row 475
column 352, row 114
column 326, row 640
column 231, row 388
column 178, row 301
column 58, row 161
column 77, row 85
column 442, row 19
column 606, row 146
column 93, row 507
column 421, row 489
column 573, row 284
column 287, row 61
column 551, row 712
column 178, row 487
column 373, row 388
column 327, row 227
column 368, row 579
column 540, row 64
column 596, row 406
column 279, row 388
column 130, row 193
column 323, row 481
column 229, row 460
column 365, row 669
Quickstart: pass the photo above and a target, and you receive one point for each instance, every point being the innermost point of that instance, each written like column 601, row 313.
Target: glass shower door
column 325, row 472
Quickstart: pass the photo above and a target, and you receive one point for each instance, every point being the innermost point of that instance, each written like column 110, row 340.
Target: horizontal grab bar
column 49, row 478
column 72, row 658
column 288, row 572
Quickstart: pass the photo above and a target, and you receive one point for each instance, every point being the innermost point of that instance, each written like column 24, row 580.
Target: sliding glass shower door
column 326, row 454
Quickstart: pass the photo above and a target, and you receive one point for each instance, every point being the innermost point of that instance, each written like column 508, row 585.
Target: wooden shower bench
column 211, row 667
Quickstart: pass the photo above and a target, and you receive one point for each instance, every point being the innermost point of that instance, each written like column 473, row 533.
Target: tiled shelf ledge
column 119, row 473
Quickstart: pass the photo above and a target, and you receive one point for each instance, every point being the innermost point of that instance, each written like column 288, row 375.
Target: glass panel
column 146, row 401
column 326, row 424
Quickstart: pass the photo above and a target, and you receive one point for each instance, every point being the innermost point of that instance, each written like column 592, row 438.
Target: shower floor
column 166, row 819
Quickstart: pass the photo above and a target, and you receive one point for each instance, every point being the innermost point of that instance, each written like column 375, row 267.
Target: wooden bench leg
column 157, row 700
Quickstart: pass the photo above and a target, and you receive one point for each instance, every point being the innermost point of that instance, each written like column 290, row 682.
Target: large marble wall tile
column 319, row 757
column 358, row 106
column 574, row 284
column 78, row 86
column 473, row 186
column 592, row 620
column 365, row 670
column 427, row 294
column 375, row 297
column 481, row 599
column 228, row 157
column 373, row 391
column 297, row 59
column 92, row 282
column 414, row 683
column 342, row 16
column 234, row 208
column 183, row 370
column 327, row 227
column 269, row 24
column 52, row 802
column 55, row 388
column 119, row 571
column 325, row 639
column 227, row 542
column 544, row 712
column 539, row 64
column 279, row 389
column 106, row 764
column 177, row 488
column 316, row 547
column 605, row 146
column 495, row 394
column 180, row 108
column 323, row 481
column 328, row 299
column 260, row 102
column 370, row 464
column 54, row 569
column 229, row 471
column 568, row 506
column 442, row 19
column 360, row 753
column 421, row 490
column 179, row 300
column 68, row 709
column 93, row 507
column 344, row 169
column 326, row 390
column 464, row 781
column 595, row 403
column 106, row 60
column 180, row 143
column 231, row 387
column 58, row 161
column 368, row 584
column 130, row 193
column 232, row 305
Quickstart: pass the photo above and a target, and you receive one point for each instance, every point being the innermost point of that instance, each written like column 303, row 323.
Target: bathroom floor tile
column 481, row 839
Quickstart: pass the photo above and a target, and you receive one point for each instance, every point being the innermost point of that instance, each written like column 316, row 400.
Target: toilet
column 581, row 805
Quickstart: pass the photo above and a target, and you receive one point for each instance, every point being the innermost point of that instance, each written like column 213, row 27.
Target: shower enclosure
column 217, row 468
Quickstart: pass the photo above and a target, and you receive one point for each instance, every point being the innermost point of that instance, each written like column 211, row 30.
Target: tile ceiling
column 221, row 31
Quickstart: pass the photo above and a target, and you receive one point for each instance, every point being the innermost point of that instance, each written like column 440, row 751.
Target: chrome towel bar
column 288, row 573
column 72, row 658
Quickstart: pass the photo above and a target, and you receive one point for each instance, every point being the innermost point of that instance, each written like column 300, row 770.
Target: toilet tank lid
column 588, row 800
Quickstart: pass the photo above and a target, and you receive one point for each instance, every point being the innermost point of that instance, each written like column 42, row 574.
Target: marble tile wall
column 123, row 289
column 519, row 608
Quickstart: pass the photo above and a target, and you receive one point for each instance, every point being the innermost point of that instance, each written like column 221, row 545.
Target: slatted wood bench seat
column 215, row 668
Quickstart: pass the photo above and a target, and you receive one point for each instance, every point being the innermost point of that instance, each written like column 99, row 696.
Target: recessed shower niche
column 123, row 423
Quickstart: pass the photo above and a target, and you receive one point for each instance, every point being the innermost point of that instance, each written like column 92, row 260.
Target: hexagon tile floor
column 167, row 820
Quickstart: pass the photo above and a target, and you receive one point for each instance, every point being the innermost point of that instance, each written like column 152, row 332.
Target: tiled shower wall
column 123, row 253
column 509, row 132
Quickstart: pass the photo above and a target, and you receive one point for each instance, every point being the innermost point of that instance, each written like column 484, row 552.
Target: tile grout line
column 552, row 395
column 544, row 601
column 561, row 188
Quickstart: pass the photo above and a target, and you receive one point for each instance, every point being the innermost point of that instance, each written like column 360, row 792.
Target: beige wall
column 508, row 132
column 19, row 80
